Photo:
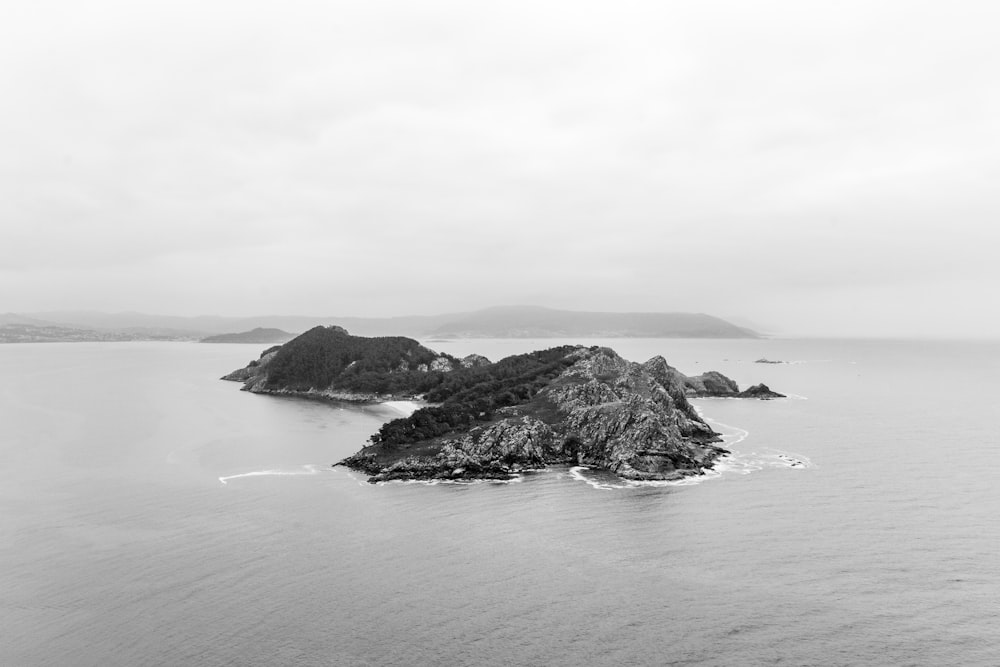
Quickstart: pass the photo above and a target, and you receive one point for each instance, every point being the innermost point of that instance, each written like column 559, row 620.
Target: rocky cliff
column 254, row 370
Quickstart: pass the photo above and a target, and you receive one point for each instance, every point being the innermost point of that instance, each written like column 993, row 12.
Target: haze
column 812, row 167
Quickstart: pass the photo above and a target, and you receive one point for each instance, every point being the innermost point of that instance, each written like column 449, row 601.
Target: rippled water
column 151, row 514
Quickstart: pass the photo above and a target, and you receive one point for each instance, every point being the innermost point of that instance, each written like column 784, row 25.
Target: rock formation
column 254, row 370
column 712, row 383
column 761, row 391
column 716, row 385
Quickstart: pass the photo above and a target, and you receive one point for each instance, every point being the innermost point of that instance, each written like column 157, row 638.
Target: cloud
column 251, row 157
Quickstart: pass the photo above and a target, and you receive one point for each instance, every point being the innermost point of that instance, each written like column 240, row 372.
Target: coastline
column 405, row 404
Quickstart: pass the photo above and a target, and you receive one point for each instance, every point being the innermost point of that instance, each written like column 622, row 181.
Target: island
column 571, row 404
column 258, row 335
column 716, row 385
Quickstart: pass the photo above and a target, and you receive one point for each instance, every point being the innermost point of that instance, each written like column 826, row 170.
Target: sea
column 151, row 514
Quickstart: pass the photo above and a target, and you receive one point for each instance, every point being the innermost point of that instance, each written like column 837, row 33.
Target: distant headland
column 499, row 322
column 259, row 336
column 490, row 420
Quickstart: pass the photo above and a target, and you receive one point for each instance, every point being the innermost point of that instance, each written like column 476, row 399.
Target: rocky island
column 489, row 420
column 716, row 385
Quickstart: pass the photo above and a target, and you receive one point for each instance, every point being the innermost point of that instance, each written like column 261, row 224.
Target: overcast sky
column 814, row 167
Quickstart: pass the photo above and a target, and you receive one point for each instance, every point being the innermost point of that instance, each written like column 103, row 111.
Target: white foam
column 308, row 469
column 742, row 398
column 736, row 463
column 360, row 480
column 405, row 408
column 576, row 472
column 746, row 462
column 731, row 435
column 463, row 482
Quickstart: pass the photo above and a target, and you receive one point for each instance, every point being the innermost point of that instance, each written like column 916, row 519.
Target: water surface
column 121, row 545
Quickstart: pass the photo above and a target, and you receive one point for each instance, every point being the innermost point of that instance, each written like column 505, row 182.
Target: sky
column 815, row 168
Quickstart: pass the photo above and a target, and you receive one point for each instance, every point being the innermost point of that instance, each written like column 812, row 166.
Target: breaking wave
column 309, row 469
column 405, row 408
column 517, row 478
column 734, row 463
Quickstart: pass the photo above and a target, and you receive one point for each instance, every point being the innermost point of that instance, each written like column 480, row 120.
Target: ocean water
column 153, row 515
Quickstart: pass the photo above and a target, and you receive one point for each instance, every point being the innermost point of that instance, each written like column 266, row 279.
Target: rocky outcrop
column 761, row 391
column 711, row 383
column 475, row 360
column 621, row 416
column 498, row 451
column 716, row 385
column 254, row 370
column 441, row 364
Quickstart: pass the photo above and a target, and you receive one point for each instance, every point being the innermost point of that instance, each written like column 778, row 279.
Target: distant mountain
column 207, row 325
column 500, row 322
column 257, row 336
column 14, row 318
column 764, row 329
column 536, row 322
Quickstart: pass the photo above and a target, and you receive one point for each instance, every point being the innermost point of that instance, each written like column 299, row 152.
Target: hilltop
column 329, row 362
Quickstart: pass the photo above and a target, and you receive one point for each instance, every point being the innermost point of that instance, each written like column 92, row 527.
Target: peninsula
column 258, row 336
column 490, row 420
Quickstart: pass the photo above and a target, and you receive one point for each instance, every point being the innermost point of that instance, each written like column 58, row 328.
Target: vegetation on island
column 471, row 395
column 328, row 358
column 331, row 358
